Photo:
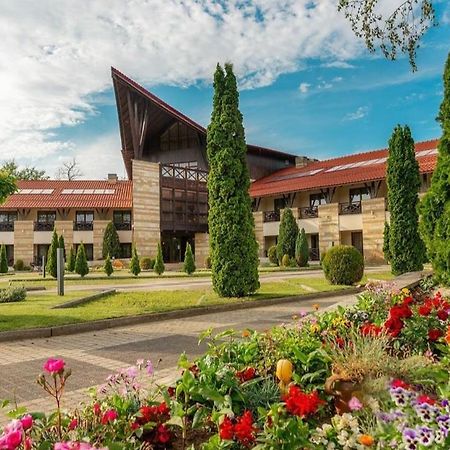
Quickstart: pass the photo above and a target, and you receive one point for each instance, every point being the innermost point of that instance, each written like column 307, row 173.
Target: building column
column 373, row 219
column 24, row 241
column 146, row 207
column 98, row 232
column 201, row 249
column 329, row 234
column 258, row 217
column 65, row 227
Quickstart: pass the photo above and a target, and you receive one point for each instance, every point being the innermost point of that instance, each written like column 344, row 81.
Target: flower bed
column 371, row 376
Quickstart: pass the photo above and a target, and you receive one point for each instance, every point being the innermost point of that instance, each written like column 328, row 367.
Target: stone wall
column 24, row 241
column 373, row 218
column 258, row 216
column 201, row 249
column 328, row 226
column 146, row 207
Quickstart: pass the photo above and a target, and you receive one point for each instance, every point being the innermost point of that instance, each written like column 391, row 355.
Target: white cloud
column 304, row 87
column 57, row 55
column 360, row 113
column 339, row 65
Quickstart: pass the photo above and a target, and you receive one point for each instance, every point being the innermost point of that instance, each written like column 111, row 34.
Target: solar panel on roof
column 34, row 191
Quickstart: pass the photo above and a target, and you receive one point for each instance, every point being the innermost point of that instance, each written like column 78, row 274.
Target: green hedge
column 343, row 264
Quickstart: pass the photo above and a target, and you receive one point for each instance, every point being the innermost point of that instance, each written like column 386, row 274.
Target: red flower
column 226, row 429
column 400, row 383
column 425, row 399
column 442, row 314
column 194, row 369
column 244, row 429
column 246, row 374
column 400, row 312
column 393, row 326
column 73, row 424
column 370, row 329
column 407, row 300
column 434, row 334
column 135, row 426
column 340, row 342
column 53, row 366
column 109, row 416
column 171, row 391
column 424, row 310
column 96, row 408
column 301, row 404
column 162, row 434
column 156, row 413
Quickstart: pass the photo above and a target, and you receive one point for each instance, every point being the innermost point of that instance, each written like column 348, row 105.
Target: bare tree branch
column 69, row 171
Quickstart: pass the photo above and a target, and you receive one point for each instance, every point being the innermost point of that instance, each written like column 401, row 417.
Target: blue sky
column 304, row 107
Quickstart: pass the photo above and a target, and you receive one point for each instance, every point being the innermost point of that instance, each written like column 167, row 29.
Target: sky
column 308, row 86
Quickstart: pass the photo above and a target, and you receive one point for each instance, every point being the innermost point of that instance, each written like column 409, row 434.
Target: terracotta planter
column 343, row 391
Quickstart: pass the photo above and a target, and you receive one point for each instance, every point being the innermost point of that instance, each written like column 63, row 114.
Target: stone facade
column 146, row 206
column 99, row 231
column 329, row 233
column 24, row 241
column 201, row 249
column 373, row 219
column 258, row 216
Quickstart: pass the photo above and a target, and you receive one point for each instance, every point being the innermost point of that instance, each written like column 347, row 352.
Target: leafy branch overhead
column 397, row 31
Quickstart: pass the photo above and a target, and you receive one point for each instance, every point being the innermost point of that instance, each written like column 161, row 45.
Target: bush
column 111, row 242
column 13, row 294
column 107, row 267
column 301, row 249
column 272, row 254
column 147, row 263
column 3, row 260
column 343, row 264
column 208, row 262
column 159, row 262
column 135, row 268
column 287, row 235
column 51, row 265
column 286, row 261
column 71, row 260
column 81, row 264
column 189, row 263
column 19, row 265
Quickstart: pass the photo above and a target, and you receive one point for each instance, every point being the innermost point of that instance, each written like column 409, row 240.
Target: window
column 35, row 191
column 7, row 217
column 279, row 203
column 85, row 216
column 122, row 220
column 359, row 194
column 46, row 216
column 316, row 200
column 125, row 250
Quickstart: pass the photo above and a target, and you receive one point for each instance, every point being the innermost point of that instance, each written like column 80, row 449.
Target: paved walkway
column 94, row 355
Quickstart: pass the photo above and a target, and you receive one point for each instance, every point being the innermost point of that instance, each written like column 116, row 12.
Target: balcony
column 44, row 226
column 6, row 226
column 123, row 226
column 310, row 212
column 83, row 226
column 350, row 208
column 314, row 254
column 271, row 216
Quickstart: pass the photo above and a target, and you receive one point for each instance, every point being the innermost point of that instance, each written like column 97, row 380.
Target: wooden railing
column 309, row 212
column 83, row 226
column 122, row 226
column 44, row 226
column 6, row 226
column 350, row 208
column 271, row 216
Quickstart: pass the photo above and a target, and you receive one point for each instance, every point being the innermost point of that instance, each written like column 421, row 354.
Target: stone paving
column 94, row 355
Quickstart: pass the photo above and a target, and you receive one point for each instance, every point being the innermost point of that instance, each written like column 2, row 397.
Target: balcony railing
column 314, row 254
column 310, row 212
column 83, row 226
column 122, row 226
column 44, row 226
column 350, row 208
column 7, row 226
column 271, row 216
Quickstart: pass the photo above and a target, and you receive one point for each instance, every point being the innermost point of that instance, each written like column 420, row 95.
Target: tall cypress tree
column 51, row 266
column 81, row 264
column 71, row 260
column 287, row 235
column 3, row 259
column 189, row 263
column 435, row 206
column 62, row 245
column 386, row 245
column 403, row 182
column 301, row 249
column 233, row 246
column 111, row 242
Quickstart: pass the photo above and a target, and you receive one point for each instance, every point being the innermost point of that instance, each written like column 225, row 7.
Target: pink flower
column 132, row 372
column 149, row 368
column 28, row 443
column 54, row 365
column 109, row 416
column 354, row 404
column 27, row 422
column 13, row 439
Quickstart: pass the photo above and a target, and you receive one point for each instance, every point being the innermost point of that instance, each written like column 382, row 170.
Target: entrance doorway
column 314, row 254
column 174, row 247
column 357, row 241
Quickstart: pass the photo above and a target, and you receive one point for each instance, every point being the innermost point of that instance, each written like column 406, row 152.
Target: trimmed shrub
column 13, row 294
column 51, row 266
column 111, row 242
column 107, row 267
column 81, row 264
column 71, row 260
column 19, row 265
column 386, row 247
column 159, row 262
column 62, row 245
column 147, row 263
column 301, row 249
column 189, row 263
column 208, row 262
column 343, row 264
column 3, row 259
column 272, row 254
column 286, row 260
column 135, row 267
column 287, row 235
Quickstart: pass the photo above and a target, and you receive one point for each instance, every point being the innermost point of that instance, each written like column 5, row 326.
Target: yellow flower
column 315, row 328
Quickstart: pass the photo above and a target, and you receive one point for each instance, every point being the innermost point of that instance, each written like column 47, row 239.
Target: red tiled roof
column 318, row 175
column 121, row 198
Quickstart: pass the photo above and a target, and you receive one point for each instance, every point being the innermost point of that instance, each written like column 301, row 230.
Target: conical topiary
column 189, row 263
column 135, row 267
column 62, row 245
column 81, row 264
column 51, row 266
column 301, row 249
column 287, row 234
column 3, row 260
column 159, row 262
column 108, row 267
column 71, row 260
column 111, row 242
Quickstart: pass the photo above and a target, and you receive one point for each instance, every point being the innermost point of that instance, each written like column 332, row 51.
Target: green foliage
column 406, row 248
column 111, row 242
column 7, row 185
column 13, row 294
column 50, row 265
column 233, row 245
column 343, row 264
column 301, row 249
column 159, row 262
column 108, row 267
column 81, row 264
column 71, row 260
column 19, row 265
column 208, row 262
column 62, row 245
column 386, row 247
column 3, row 259
column 435, row 206
column 272, row 254
column 189, row 263
column 285, row 261
column 287, row 234
column 147, row 263
column 27, row 173
column 135, row 267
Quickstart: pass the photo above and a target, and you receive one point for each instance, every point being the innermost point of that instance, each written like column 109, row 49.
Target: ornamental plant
column 71, row 260
column 343, row 264
column 61, row 244
column 135, row 267
column 108, row 267
column 272, row 255
column 3, row 259
column 435, row 206
column 189, row 263
column 287, row 235
column 386, row 242
column 51, row 264
column 159, row 262
column 81, row 264
column 406, row 248
column 301, row 249
column 233, row 249
column 111, row 242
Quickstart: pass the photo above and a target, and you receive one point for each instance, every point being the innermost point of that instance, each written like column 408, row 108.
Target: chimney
column 302, row 161
column 112, row 178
